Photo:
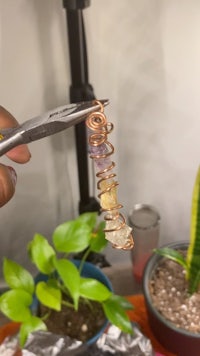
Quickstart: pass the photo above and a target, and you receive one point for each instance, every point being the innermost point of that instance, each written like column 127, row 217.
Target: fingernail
column 13, row 175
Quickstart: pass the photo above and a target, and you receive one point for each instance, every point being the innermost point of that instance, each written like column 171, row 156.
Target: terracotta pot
column 178, row 341
column 9, row 330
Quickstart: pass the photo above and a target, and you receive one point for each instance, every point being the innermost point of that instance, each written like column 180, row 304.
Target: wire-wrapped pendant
column 116, row 229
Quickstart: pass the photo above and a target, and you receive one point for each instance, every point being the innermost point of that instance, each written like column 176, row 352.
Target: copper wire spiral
column 99, row 130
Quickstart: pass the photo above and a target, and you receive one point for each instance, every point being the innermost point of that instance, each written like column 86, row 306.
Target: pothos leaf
column 15, row 305
column 94, row 290
column 88, row 218
column 32, row 324
column 117, row 315
column 98, row 241
column 121, row 301
column 17, row 277
column 48, row 295
column 41, row 253
column 72, row 236
column 70, row 277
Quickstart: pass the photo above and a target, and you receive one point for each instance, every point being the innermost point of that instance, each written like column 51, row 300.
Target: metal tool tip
column 104, row 102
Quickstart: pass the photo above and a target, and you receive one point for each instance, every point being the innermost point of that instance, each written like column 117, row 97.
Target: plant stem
column 63, row 289
column 84, row 259
column 68, row 304
column 45, row 317
column 87, row 301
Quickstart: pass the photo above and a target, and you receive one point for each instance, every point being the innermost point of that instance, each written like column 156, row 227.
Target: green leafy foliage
column 193, row 255
column 72, row 236
column 31, row 324
column 70, row 277
column 94, row 290
column 15, row 304
column 172, row 255
column 64, row 283
column 191, row 263
column 48, row 295
column 98, row 241
column 115, row 312
column 88, row 218
column 41, row 253
column 17, row 277
column 123, row 302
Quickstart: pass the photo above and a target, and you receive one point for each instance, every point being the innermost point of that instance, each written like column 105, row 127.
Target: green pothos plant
column 63, row 277
column 191, row 262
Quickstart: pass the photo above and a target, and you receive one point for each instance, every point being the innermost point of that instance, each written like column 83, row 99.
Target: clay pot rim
column 150, row 267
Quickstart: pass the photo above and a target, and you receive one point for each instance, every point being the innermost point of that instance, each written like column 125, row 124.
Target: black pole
column 80, row 90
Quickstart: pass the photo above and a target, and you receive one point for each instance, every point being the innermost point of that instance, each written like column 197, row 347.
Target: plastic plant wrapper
column 114, row 342
column 45, row 343
column 41, row 343
column 10, row 347
column 116, row 229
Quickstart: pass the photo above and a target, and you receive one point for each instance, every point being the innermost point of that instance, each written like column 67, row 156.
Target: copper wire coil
column 118, row 216
column 99, row 129
column 128, row 246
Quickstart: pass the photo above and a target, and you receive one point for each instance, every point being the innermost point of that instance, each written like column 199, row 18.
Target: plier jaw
column 51, row 122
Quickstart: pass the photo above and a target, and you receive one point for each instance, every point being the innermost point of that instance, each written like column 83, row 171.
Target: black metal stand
column 80, row 90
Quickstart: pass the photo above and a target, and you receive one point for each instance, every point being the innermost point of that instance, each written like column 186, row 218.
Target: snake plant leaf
column 117, row 315
column 72, row 236
column 94, row 290
column 172, row 255
column 32, row 324
column 49, row 295
column 15, row 305
column 17, row 277
column 193, row 254
column 70, row 277
column 194, row 276
column 41, row 254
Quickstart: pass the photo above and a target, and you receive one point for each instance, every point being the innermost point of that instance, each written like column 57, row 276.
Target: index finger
column 18, row 154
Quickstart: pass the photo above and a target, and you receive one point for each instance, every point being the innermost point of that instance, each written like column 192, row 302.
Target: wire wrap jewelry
column 100, row 151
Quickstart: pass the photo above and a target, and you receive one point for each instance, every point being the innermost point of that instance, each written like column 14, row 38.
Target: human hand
column 20, row 154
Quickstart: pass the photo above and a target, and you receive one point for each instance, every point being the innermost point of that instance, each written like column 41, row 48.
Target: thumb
column 8, row 179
